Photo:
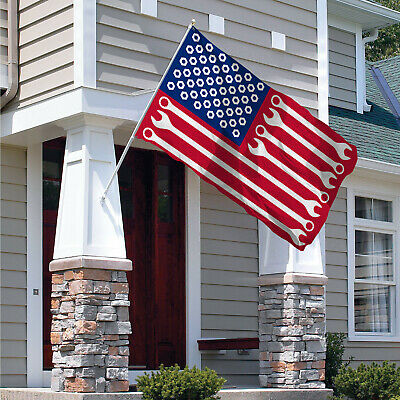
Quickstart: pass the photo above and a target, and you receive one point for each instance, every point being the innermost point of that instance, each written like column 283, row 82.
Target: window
column 372, row 268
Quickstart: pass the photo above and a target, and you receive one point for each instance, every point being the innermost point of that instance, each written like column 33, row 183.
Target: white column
column 277, row 256
column 85, row 226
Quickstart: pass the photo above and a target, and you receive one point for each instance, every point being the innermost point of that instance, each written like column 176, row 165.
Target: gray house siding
column 12, row 267
column 229, row 293
column 342, row 69
column 46, row 54
column 133, row 49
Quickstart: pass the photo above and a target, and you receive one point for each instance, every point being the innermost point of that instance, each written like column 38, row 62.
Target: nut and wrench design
column 294, row 234
column 338, row 146
column 276, row 120
column 165, row 124
column 310, row 205
column 324, row 176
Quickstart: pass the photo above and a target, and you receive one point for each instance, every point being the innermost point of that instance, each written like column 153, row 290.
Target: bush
column 369, row 382
column 334, row 357
column 171, row 383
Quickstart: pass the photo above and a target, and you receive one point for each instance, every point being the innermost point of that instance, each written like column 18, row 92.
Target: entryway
column 153, row 209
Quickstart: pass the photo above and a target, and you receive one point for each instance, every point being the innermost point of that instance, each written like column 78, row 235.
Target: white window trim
column 354, row 223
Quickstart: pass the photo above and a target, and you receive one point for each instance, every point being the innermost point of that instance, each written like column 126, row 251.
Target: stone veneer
column 292, row 335
column 89, row 331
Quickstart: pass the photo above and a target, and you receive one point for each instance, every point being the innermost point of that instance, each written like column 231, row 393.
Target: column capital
column 85, row 119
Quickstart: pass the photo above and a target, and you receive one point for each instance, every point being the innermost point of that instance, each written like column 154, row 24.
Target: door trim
column 37, row 377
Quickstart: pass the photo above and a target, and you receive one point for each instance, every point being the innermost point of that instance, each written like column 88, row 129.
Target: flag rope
column 128, row 145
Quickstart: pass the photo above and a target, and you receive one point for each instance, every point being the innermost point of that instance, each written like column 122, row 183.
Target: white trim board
column 123, row 107
column 85, row 43
column 34, row 267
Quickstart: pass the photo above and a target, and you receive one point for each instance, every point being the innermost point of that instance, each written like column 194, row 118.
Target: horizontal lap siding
column 12, row 267
column 337, row 290
column 133, row 50
column 229, row 267
column 342, row 69
column 46, row 54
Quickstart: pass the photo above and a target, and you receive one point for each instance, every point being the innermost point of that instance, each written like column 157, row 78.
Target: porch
column 225, row 394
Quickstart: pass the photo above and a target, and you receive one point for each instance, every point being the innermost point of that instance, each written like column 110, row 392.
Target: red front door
column 152, row 199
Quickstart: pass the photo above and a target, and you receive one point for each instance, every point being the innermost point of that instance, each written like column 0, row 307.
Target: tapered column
column 292, row 316
column 90, row 306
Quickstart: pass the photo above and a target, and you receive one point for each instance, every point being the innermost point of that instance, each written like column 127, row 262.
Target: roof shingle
column 376, row 133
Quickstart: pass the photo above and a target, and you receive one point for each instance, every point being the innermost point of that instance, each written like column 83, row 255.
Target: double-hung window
column 373, row 225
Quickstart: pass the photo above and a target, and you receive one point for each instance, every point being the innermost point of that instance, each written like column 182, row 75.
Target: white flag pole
column 120, row 161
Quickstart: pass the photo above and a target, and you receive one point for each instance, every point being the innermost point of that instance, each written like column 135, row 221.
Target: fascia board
column 384, row 15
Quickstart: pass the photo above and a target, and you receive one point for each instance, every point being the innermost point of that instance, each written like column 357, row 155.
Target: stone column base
column 292, row 325
column 89, row 331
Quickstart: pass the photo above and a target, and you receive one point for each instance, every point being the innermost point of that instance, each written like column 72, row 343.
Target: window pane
column 374, row 256
column 379, row 210
column 51, row 194
column 164, row 208
column 163, row 175
column 382, row 210
column 363, row 207
column 52, row 164
column 372, row 308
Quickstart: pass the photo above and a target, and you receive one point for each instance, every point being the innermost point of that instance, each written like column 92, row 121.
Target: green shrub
column 369, row 382
column 171, row 383
column 334, row 357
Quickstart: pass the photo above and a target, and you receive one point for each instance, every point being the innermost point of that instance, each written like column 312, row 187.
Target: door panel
column 152, row 201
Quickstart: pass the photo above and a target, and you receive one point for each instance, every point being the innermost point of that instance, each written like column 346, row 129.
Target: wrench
column 260, row 150
column 276, row 120
column 295, row 234
column 325, row 176
column 310, row 205
column 339, row 147
column 166, row 124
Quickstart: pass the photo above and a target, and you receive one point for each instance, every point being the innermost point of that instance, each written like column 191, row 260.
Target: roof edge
column 373, row 8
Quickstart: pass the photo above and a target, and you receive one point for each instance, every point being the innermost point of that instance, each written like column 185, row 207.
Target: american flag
column 256, row 145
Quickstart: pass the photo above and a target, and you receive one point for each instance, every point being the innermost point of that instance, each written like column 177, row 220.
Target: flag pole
column 120, row 161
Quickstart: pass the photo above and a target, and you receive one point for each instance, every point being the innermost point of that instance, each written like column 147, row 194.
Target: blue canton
column 213, row 86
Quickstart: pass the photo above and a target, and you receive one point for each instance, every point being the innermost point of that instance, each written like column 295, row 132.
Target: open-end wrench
column 310, row 205
column 325, row 176
column 340, row 147
column 166, row 124
column 276, row 120
column 295, row 234
column 260, row 150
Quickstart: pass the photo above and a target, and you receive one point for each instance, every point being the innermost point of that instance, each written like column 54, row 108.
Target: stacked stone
column 89, row 331
column 292, row 336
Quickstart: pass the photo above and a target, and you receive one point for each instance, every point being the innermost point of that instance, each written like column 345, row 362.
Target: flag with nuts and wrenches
column 256, row 145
